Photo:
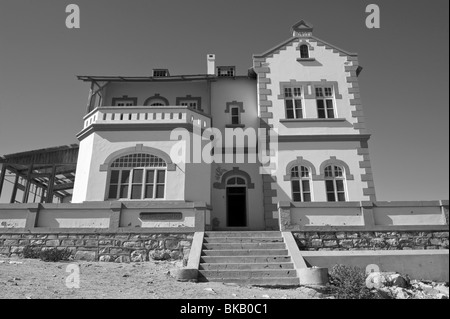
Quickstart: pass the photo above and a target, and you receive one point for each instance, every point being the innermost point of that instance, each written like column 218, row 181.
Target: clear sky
column 404, row 84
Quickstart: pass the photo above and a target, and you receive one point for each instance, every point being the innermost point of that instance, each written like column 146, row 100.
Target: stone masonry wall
column 122, row 247
column 401, row 240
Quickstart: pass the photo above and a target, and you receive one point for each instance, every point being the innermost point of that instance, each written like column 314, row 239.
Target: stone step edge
column 280, row 263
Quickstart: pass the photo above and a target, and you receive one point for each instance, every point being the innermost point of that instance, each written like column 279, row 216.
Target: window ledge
column 312, row 120
column 306, row 59
column 235, row 125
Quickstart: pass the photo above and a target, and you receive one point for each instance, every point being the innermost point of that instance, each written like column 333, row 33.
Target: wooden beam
column 2, row 177
column 14, row 192
column 27, row 186
column 61, row 187
column 51, row 185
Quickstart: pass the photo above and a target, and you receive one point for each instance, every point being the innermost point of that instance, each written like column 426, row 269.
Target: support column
column 14, row 192
column 367, row 214
column 51, row 184
column 26, row 192
column 2, row 177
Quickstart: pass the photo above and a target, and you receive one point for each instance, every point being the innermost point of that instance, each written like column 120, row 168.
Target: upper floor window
column 293, row 102
column 300, row 183
column 235, row 115
column 192, row 104
column 124, row 101
column 304, row 51
column 156, row 100
column 325, row 102
column 137, row 176
column 335, row 183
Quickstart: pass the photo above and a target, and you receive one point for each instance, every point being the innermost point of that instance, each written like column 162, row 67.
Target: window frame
column 130, row 164
column 125, row 100
column 325, row 100
column 300, row 179
column 334, row 178
column 234, row 116
column 290, row 96
column 302, row 52
column 131, row 183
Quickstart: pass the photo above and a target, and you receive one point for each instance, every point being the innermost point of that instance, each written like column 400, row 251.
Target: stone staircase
column 248, row 257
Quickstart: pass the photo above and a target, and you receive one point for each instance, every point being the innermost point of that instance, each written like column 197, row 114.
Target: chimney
column 211, row 58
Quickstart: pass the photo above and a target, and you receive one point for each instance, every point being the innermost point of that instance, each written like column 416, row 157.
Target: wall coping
column 379, row 228
column 435, row 203
column 100, row 231
column 109, row 205
column 347, row 253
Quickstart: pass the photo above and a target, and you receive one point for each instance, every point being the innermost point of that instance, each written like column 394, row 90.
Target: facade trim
column 139, row 148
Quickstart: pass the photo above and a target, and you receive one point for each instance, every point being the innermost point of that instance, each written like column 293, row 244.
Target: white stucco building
column 304, row 89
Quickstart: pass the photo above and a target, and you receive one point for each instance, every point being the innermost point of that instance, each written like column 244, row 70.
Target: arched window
column 236, row 181
column 335, row 183
column 300, row 183
column 156, row 100
column 304, row 51
column 137, row 176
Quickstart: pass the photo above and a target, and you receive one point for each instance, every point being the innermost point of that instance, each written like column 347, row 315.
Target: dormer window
column 160, row 73
column 224, row 71
column 304, row 51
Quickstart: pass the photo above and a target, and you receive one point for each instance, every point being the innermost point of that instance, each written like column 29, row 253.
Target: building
column 304, row 88
column 161, row 159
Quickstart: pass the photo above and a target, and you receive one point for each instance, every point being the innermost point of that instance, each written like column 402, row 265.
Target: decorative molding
column 156, row 97
column 312, row 85
column 139, row 148
column 234, row 103
column 234, row 172
column 300, row 161
column 334, row 161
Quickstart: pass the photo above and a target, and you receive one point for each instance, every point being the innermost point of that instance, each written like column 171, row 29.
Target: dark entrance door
column 237, row 206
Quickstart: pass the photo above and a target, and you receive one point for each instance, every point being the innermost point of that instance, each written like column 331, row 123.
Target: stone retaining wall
column 104, row 247
column 401, row 240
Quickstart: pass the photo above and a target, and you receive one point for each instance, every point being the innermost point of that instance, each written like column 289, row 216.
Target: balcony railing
column 146, row 114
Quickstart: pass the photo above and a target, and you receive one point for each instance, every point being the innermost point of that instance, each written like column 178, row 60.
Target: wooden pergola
column 42, row 175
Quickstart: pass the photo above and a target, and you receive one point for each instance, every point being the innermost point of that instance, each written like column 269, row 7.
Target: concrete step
column 284, row 282
column 244, row 259
column 246, row 252
column 247, row 246
column 235, row 240
column 246, row 274
column 246, row 266
column 252, row 234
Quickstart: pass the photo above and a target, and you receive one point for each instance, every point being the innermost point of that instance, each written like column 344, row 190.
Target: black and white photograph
column 224, row 159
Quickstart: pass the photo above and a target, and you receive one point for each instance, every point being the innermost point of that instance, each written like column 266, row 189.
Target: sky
column 404, row 84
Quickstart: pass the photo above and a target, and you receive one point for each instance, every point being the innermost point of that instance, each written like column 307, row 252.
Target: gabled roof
column 290, row 40
column 302, row 26
column 305, row 28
